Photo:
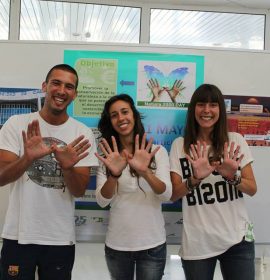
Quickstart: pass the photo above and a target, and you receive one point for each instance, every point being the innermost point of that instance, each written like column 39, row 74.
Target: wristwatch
column 235, row 181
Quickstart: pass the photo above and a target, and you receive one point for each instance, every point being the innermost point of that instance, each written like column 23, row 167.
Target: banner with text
column 161, row 86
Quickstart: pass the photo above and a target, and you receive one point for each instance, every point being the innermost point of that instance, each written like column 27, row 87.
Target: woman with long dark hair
column 211, row 170
column 134, row 179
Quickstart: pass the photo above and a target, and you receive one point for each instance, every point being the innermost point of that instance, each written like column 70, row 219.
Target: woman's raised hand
column 199, row 160
column 142, row 156
column 112, row 159
column 231, row 161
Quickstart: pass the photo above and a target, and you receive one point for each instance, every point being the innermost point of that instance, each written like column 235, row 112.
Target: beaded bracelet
column 189, row 185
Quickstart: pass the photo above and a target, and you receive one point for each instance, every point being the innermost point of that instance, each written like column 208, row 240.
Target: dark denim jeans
column 19, row 261
column 237, row 263
column 149, row 263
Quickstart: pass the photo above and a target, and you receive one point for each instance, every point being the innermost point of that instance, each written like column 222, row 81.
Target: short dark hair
column 64, row 67
column 207, row 93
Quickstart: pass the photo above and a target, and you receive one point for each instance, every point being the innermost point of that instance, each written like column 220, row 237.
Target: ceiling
column 244, row 4
column 79, row 20
column 249, row 4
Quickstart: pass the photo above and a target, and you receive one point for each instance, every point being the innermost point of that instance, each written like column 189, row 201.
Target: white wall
column 25, row 64
column 235, row 72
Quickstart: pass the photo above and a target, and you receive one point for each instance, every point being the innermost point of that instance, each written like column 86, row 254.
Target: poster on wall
column 165, row 84
column 161, row 86
column 249, row 116
column 16, row 101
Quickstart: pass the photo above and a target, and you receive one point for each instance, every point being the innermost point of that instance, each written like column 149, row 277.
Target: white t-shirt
column 41, row 210
column 214, row 215
column 136, row 221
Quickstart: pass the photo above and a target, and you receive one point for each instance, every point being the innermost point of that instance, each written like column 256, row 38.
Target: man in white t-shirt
column 45, row 159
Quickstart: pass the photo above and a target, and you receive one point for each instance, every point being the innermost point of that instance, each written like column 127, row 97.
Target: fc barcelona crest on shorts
column 13, row 270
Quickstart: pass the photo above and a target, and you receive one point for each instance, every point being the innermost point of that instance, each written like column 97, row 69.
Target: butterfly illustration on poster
column 165, row 83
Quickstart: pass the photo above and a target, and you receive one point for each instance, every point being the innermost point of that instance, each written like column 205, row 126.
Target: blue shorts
column 19, row 261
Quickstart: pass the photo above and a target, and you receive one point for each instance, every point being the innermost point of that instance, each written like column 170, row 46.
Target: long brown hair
column 207, row 93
